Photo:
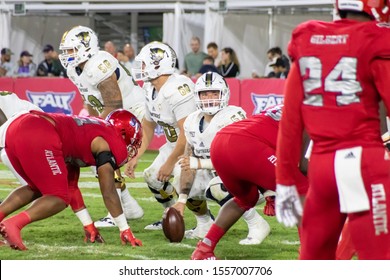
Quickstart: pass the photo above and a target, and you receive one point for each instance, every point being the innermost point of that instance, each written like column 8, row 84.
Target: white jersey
column 12, row 107
column 201, row 141
column 97, row 69
column 174, row 101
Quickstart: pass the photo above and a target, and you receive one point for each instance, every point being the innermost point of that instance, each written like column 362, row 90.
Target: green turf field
column 61, row 237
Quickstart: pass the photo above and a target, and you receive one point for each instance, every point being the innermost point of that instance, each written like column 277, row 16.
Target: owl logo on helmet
column 154, row 60
column 84, row 38
column 78, row 45
column 156, row 55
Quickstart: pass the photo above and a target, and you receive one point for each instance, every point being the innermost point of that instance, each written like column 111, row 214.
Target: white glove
column 288, row 206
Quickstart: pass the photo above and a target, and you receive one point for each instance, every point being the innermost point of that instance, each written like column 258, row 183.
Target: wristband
column 182, row 198
column 205, row 163
column 121, row 222
column 194, row 163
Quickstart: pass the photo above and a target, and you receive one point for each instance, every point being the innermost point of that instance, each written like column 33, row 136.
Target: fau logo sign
column 262, row 101
column 53, row 102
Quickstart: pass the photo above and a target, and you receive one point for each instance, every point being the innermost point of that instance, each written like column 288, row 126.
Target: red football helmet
column 129, row 127
column 377, row 9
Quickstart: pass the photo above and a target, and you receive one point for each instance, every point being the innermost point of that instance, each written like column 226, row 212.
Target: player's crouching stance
column 198, row 177
column 56, row 148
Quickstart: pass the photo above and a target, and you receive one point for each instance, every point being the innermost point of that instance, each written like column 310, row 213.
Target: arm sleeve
column 288, row 149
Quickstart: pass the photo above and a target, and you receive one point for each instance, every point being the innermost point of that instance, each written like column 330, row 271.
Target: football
column 173, row 225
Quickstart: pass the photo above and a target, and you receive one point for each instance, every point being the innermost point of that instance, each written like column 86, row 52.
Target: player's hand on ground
column 288, row 205
column 130, row 167
column 92, row 234
column 128, row 237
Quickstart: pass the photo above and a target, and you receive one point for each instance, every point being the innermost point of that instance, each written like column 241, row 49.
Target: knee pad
column 165, row 194
column 217, row 192
column 197, row 206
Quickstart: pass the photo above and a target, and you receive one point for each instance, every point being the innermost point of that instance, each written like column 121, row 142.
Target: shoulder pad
column 99, row 67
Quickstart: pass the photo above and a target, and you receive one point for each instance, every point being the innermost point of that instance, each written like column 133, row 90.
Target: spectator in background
column 279, row 68
column 273, row 54
column 5, row 62
column 110, row 48
column 128, row 50
column 193, row 60
column 25, row 67
column 51, row 65
column 230, row 67
column 124, row 60
column 212, row 50
column 208, row 66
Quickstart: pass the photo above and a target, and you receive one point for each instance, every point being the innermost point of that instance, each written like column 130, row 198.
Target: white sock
column 251, row 217
column 84, row 217
column 203, row 219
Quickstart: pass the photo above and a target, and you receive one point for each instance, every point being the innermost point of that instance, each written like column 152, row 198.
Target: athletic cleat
column 11, row 234
column 155, row 226
column 203, row 252
column 257, row 233
column 199, row 232
column 105, row 222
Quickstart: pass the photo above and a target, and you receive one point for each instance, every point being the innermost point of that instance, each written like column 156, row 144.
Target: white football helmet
column 211, row 81
column 78, row 45
column 155, row 59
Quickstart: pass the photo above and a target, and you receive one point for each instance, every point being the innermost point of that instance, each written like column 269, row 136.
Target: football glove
column 288, row 205
column 92, row 234
column 269, row 208
column 128, row 237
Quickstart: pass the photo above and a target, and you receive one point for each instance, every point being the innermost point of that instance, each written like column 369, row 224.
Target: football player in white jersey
column 198, row 177
column 11, row 107
column 169, row 100
column 105, row 86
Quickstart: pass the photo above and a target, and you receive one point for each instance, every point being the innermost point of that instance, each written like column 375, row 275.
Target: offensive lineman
column 169, row 100
column 104, row 85
column 212, row 97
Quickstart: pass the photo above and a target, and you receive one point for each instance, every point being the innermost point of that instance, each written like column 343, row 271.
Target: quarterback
column 105, row 85
column 169, row 100
column 198, row 177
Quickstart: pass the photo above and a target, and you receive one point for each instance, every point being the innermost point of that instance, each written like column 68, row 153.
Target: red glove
column 269, row 208
column 92, row 234
column 128, row 237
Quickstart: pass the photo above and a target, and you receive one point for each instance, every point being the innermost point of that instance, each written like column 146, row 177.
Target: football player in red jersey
column 243, row 154
column 334, row 95
column 50, row 161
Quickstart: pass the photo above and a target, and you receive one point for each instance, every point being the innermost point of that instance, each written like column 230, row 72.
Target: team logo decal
column 262, row 101
column 157, row 54
column 52, row 102
column 84, row 38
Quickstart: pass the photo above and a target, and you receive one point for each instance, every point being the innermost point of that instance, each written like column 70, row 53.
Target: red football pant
column 244, row 164
column 35, row 151
column 322, row 221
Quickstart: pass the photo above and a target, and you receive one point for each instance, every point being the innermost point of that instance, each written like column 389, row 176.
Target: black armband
column 104, row 157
